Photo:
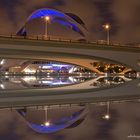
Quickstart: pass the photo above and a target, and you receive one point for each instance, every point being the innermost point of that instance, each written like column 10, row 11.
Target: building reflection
column 53, row 118
column 18, row 82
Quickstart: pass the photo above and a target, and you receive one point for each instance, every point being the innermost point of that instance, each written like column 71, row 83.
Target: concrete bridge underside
column 75, row 53
column 28, row 97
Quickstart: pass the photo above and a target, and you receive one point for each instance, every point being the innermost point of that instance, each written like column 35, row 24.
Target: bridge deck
column 58, row 42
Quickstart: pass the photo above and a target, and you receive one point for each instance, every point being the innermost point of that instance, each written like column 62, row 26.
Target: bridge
column 54, row 96
column 69, row 51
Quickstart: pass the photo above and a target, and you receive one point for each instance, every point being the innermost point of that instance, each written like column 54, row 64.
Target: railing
column 60, row 39
column 41, row 37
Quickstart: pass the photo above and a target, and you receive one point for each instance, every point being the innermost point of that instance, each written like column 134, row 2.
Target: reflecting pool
column 84, row 81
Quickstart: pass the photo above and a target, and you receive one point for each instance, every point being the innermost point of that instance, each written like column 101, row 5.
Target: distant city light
column 31, row 78
column 46, row 67
column 2, row 86
column 6, row 73
column 2, row 61
column 29, row 70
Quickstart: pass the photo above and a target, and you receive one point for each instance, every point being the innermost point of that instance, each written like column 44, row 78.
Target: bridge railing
column 62, row 39
column 37, row 37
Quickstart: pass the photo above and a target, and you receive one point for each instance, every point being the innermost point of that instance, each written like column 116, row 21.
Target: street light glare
column 107, row 117
column 47, row 124
column 47, row 18
column 107, row 26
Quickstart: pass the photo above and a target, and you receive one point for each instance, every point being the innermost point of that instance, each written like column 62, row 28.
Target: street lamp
column 47, row 123
column 47, row 18
column 107, row 115
column 107, row 28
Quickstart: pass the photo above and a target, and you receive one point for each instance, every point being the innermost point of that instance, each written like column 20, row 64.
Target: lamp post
column 47, row 18
column 107, row 115
column 47, row 123
column 107, row 28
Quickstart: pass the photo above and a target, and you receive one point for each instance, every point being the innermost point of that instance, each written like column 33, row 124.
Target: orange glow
column 106, row 26
column 47, row 18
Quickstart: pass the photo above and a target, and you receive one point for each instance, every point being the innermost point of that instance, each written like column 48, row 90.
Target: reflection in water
column 44, row 119
column 107, row 115
column 109, row 81
column 54, row 118
column 123, row 122
column 39, row 82
column 17, row 82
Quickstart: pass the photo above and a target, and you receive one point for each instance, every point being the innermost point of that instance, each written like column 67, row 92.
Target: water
column 122, row 124
column 86, row 82
column 99, row 121
column 80, row 105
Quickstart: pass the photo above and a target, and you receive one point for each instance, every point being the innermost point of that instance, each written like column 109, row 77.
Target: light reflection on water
column 51, row 119
column 123, row 122
column 18, row 82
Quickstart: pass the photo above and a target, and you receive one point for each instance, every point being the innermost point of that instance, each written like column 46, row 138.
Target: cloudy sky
column 123, row 15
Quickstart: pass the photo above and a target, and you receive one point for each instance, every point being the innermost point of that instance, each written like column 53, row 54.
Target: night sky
column 123, row 15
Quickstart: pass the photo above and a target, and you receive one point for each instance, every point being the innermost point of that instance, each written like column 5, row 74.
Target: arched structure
column 69, row 20
column 60, row 118
column 77, row 19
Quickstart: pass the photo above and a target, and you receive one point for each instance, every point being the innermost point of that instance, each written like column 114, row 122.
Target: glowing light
column 29, row 78
column 138, row 74
column 59, row 65
column 106, row 74
column 17, row 82
column 2, row 62
column 6, row 76
column 107, row 26
column 46, row 67
column 6, row 73
column 107, row 117
column 47, row 18
column 17, row 67
column 2, row 86
column 46, row 82
column 47, row 124
column 29, row 71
